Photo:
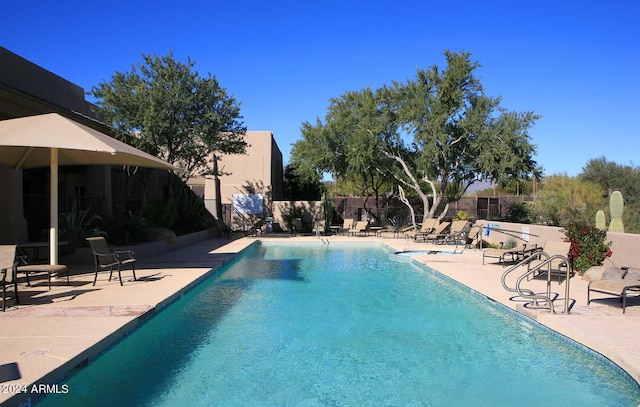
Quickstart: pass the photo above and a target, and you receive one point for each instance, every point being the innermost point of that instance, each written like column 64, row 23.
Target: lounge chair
column 472, row 236
column 361, row 227
column 106, row 258
column 396, row 230
column 552, row 248
column 512, row 255
column 617, row 287
column 49, row 269
column 320, row 227
column 347, row 226
column 439, row 233
column 456, row 232
column 296, row 226
column 257, row 229
column 406, row 229
column 427, row 227
column 8, row 266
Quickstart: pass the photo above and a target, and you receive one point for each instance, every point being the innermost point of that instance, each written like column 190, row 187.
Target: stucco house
column 250, row 184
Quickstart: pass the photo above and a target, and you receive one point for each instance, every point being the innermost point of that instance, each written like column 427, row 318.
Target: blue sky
column 576, row 63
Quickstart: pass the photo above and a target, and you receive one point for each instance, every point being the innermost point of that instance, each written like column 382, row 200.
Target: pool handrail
column 508, row 271
column 526, row 293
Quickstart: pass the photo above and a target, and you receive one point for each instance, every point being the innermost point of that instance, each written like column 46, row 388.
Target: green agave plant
column 77, row 225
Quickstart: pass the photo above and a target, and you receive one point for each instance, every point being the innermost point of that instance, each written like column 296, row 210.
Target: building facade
column 250, row 182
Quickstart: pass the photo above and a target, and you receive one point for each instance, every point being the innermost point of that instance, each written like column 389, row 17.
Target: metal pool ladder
column 543, row 266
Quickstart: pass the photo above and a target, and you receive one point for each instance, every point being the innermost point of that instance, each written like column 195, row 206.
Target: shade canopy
column 26, row 143
column 50, row 140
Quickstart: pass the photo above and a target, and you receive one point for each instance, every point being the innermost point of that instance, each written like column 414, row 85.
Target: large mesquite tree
column 458, row 134
column 440, row 130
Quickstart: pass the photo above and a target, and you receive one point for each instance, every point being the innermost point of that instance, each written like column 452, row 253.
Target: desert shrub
column 126, row 229
column 510, row 243
column 191, row 214
column 588, row 246
column 519, row 212
column 76, row 225
column 462, row 215
column 160, row 214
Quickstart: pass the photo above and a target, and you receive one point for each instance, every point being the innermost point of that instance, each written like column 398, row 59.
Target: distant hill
column 479, row 186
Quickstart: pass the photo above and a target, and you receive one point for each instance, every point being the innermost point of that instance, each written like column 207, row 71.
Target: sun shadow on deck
column 9, row 372
column 38, row 297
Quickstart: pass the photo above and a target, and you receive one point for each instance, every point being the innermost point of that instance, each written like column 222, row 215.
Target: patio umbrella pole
column 53, row 209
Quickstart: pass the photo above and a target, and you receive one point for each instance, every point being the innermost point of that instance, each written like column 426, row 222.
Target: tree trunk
column 218, row 193
column 405, row 201
column 437, row 198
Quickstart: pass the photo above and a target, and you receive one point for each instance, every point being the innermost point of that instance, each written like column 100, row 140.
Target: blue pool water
column 340, row 325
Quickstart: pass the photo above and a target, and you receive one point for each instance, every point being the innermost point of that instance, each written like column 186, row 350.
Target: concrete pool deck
column 53, row 331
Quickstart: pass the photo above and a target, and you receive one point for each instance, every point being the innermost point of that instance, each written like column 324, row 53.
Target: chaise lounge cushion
column 593, row 273
column 613, row 286
column 617, row 287
column 50, row 270
column 632, row 275
column 611, row 273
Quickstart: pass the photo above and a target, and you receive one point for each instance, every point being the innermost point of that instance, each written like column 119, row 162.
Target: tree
column 563, row 200
column 347, row 145
column 518, row 212
column 611, row 176
column 318, row 152
column 301, row 189
column 517, row 186
column 439, row 131
column 167, row 109
column 459, row 135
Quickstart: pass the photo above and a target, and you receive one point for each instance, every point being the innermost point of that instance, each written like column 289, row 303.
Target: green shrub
column 76, row 225
column 510, row 243
column 518, row 212
column 126, row 229
column 462, row 215
column 160, row 214
column 588, row 246
column 191, row 214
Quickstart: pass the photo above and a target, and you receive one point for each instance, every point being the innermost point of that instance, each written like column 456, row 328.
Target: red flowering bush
column 588, row 246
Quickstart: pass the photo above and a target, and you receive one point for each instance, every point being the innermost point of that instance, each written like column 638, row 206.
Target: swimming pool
column 340, row 324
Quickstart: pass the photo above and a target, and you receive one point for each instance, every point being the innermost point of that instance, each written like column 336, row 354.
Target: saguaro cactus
column 616, row 207
column 601, row 223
